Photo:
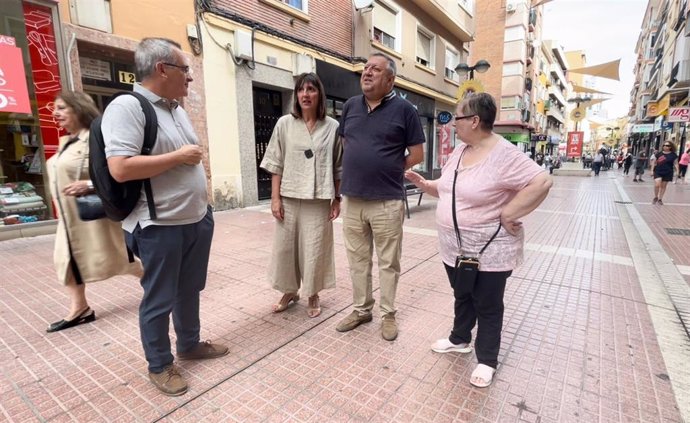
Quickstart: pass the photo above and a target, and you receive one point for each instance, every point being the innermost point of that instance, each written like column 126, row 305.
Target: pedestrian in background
column 174, row 247
column 652, row 160
column 627, row 162
column 84, row 251
column 597, row 163
column 304, row 157
column 377, row 128
column 490, row 231
column 665, row 166
column 640, row 166
column 683, row 165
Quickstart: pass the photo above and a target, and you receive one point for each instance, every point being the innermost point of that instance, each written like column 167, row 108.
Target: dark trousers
column 597, row 167
column 175, row 260
column 481, row 304
column 626, row 169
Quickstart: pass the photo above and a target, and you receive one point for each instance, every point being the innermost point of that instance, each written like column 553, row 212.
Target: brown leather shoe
column 169, row 381
column 353, row 320
column 389, row 328
column 203, row 350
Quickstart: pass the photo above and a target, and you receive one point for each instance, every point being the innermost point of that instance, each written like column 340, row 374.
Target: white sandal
column 484, row 373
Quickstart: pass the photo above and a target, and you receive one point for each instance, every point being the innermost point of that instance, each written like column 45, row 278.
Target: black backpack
column 120, row 198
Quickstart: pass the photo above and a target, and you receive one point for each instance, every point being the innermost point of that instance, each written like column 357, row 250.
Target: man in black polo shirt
column 377, row 128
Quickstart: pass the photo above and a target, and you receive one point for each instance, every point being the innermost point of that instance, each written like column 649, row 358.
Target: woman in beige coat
column 84, row 251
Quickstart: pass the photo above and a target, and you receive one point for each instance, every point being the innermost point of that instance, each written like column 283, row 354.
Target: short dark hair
column 82, row 105
column 482, row 105
column 313, row 79
column 392, row 67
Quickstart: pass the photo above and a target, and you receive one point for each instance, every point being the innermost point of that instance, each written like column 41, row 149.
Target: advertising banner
column 679, row 114
column 14, row 95
column 575, row 140
column 445, row 144
column 45, row 70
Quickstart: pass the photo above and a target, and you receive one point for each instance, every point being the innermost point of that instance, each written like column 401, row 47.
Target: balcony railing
column 557, row 94
column 555, row 113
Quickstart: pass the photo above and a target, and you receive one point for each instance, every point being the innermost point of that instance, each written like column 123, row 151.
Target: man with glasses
column 174, row 246
column 377, row 129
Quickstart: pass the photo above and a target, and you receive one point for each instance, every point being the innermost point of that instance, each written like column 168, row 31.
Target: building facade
column 660, row 95
column 72, row 45
column 254, row 50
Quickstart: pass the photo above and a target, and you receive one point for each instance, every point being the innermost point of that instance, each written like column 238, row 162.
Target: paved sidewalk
column 586, row 333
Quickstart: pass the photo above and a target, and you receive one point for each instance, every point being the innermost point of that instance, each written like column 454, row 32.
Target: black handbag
column 89, row 206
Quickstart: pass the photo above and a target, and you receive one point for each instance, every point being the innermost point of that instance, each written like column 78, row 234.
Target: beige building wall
column 146, row 18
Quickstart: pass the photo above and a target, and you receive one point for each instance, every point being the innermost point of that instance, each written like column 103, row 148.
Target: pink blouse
column 684, row 159
column 482, row 190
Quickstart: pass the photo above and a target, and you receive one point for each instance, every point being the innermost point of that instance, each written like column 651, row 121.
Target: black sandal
column 86, row 316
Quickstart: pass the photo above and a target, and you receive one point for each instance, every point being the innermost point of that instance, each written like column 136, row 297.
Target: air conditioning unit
column 511, row 7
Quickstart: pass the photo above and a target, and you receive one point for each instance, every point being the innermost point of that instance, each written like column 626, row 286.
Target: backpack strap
column 150, row 136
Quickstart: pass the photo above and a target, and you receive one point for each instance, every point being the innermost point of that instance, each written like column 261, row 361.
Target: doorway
column 268, row 108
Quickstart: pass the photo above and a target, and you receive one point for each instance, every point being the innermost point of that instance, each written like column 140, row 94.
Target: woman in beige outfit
column 304, row 156
column 84, row 251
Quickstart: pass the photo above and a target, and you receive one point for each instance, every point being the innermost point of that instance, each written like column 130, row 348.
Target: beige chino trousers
column 368, row 224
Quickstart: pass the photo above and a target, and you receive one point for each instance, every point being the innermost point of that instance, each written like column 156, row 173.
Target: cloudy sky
column 606, row 30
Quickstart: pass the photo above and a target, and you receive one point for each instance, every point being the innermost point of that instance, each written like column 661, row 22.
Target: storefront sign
column 575, row 140
column 658, row 122
column 6, row 40
column 444, row 117
column 652, row 109
column 14, row 95
column 643, row 128
column 516, row 137
column 95, row 69
column 45, row 70
column 538, row 137
column 679, row 114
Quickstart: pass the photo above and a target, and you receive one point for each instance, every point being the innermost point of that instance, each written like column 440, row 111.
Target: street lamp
column 481, row 66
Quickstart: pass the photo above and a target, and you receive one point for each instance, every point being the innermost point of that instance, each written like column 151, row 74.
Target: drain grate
column 678, row 231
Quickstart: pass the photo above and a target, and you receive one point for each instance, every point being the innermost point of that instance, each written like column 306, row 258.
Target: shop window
column 386, row 25
column 452, row 60
column 426, row 43
column 94, row 14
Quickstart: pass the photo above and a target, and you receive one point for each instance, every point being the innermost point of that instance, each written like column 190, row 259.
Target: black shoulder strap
column 455, row 217
column 150, row 136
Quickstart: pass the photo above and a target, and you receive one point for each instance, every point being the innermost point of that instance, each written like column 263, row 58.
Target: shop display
column 19, row 203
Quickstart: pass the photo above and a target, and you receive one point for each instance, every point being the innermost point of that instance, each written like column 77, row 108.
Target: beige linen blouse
column 305, row 177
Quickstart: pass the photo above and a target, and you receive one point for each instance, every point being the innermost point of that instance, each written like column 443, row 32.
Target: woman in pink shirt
column 683, row 166
column 487, row 185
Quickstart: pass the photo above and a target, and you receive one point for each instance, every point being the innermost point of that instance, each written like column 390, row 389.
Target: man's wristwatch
column 89, row 184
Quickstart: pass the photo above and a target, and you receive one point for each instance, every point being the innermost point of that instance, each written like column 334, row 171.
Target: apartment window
column 452, row 60
column 512, row 102
column 297, row 4
column 512, row 69
column 386, row 25
column 425, row 48
column 94, row 14
column 468, row 5
column 514, row 33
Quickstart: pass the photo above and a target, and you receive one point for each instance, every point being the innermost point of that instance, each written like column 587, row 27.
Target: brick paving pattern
column 578, row 344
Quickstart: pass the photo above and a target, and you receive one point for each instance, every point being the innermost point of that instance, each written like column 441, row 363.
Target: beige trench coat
column 98, row 246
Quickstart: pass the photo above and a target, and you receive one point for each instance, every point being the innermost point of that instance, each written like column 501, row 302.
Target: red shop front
column 30, row 78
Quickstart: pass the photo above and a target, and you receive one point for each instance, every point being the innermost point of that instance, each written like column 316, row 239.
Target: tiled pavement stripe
column 652, row 265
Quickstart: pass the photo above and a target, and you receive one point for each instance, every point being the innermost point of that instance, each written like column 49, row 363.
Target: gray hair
column 391, row 63
column 151, row 51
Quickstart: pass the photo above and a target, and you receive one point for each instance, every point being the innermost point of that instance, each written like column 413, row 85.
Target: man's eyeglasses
column 464, row 117
column 184, row 69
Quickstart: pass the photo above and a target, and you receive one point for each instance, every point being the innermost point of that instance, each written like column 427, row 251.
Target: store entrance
column 268, row 108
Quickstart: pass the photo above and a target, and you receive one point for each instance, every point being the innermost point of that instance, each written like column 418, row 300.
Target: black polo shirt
column 374, row 146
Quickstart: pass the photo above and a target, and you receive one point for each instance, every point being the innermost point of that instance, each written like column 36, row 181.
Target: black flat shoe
column 87, row 316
